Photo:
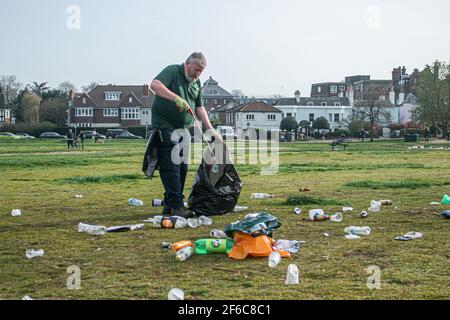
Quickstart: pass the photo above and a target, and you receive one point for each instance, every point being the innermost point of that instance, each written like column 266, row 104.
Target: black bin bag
column 217, row 186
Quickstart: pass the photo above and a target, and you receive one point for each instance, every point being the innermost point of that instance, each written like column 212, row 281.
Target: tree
column 321, row 123
column 305, row 124
column 289, row 124
column 89, row 87
column 237, row 93
column 2, row 99
column 39, row 88
column 11, row 88
column 433, row 97
column 54, row 110
column 371, row 110
column 67, row 86
column 29, row 106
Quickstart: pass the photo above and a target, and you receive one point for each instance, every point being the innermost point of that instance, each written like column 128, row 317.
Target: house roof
column 97, row 95
column 254, row 106
column 225, row 107
column 212, row 89
column 316, row 101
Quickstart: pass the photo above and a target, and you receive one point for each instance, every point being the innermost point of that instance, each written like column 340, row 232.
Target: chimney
column 297, row 96
column 396, row 74
column 146, row 91
column 71, row 94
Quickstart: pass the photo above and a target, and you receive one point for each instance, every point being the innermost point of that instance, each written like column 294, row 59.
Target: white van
column 226, row 132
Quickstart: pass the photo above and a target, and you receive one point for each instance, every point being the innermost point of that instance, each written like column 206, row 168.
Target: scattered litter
column 445, row 214
column 218, row 234
column 445, row 199
column 254, row 224
column 203, row 220
column 27, row 298
column 176, row 294
column 375, row 206
column 184, row 254
column 168, row 222
column 303, row 190
column 31, row 253
column 261, row 196
column 96, row 230
column 292, row 275
column 157, row 202
column 435, row 203
column 192, row 223
column 297, row 210
column 395, row 208
column 251, row 215
column 205, row 246
column 363, row 214
column 135, row 202
column 319, row 215
column 239, row 208
column 274, row 259
column 180, row 245
column 291, row 246
column 166, row 245
column 410, row 236
column 125, row 228
column 326, row 234
column 16, row 212
column 385, row 202
column 78, row 196
column 365, row 231
column 346, row 209
column 352, row 237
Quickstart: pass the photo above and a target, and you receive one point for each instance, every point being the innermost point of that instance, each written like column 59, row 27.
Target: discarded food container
column 292, row 274
column 180, row 245
column 205, row 221
column 135, row 202
column 297, row 210
column 274, row 259
column 184, row 254
column 363, row 214
column 291, row 246
column 365, row 231
column 205, row 246
column 347, row 209
column 31, row 253
column 261, row 196
column 218, row 234
column 16, row 212
column 239, row 208
column 410, row 236
column 96, row 230
column 192, row 223
column 176, row 294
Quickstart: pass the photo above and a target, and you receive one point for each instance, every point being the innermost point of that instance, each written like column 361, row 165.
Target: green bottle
column 205, row 246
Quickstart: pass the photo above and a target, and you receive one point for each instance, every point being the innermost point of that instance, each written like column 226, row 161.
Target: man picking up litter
column 177, row 90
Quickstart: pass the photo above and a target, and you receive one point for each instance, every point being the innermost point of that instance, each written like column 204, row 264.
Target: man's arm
column 161, row 90
column 202, row 115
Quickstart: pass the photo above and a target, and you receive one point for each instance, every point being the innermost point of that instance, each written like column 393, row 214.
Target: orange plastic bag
column 246, row 245
column 180, row 245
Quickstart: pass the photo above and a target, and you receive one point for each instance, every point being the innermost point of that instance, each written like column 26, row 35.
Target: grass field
column 42, row 177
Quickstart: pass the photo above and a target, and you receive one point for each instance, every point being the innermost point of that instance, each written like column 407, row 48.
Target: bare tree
column 66, row 86
column 90, row 86
column 11, row 88
column 237, row 93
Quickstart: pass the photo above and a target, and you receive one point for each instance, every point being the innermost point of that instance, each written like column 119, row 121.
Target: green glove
column 182, row 104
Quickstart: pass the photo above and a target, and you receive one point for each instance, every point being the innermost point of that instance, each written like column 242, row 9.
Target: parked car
column 88, row 135
column 127, row 135
column 52, row 135
column 112, row 133
column 8, row 135
column 24, row 135
column 226, row 132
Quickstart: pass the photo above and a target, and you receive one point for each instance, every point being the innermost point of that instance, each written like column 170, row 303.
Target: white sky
column 259, row 46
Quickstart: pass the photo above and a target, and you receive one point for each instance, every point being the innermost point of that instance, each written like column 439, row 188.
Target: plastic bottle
column 176, row 294
column 291, row 246
column 169, row 222
column 239, row 208
column 274, row 259
column 157, row 202
column 205, row 246
column 205, row 221
column 16, row 212
column 180, row 245
column 218, row 234
column 346, row 209
column 261, row 196
column 374, row 206
column 365, row 231
column 135, row 202
column 319, row 215
column 292, row 274
column 184, row 253
column 337, row 217
column 96, row 230
column 31, row 253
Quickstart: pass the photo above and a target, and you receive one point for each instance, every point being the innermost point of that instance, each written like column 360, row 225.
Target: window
column 112, row 96
column 330, row 117
column 333, row 89
column 271, row 117
column 341, row 88
column 388, row 116
column 224, row 101
column 250, row 117
column 337, row 104
column 319, row 89
column 130, row 100
column 311, row 117
column 110, row 112
column 145, row 112
column 2, row 115
column 310, row 104
column 336, row 117
column 84, row 100
column 130, row 114
column 323, row 104
column 382, row 98
column 83, row 112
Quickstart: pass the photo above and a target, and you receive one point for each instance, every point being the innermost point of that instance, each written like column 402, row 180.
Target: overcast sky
column 259, row 46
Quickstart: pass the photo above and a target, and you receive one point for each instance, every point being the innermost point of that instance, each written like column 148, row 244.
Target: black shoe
column 182, row 212
column 166, row 210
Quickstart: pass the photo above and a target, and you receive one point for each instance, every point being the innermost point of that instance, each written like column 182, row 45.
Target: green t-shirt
column 164, row 112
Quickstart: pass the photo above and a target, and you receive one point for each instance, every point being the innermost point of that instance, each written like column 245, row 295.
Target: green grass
column 41, row 178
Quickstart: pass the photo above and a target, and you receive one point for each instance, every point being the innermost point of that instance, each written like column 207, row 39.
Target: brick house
column 5, row 116
column 109, row 106
column 214, row 95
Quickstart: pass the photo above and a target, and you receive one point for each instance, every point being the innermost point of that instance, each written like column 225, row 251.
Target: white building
column 255, row 114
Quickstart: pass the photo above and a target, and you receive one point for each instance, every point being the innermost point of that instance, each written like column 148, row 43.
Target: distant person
column 94, row 135
column 362, row 134
column 82, row 137
column 427, row 134
column 70, row 140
